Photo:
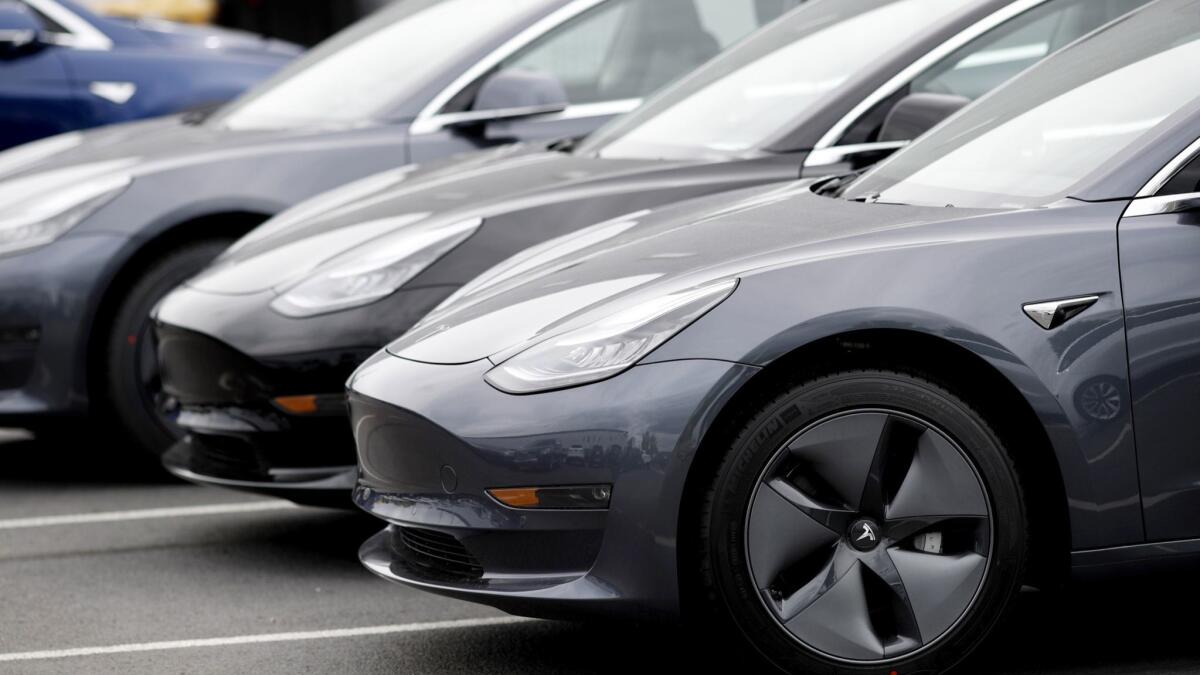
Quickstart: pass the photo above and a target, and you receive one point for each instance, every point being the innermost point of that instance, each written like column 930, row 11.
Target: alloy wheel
column 868, row 536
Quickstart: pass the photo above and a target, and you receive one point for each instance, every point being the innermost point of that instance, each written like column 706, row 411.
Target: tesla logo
column 867, row 533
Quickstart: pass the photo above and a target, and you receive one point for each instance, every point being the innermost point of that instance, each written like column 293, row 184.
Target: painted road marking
column 146, row 514
column 261, row 639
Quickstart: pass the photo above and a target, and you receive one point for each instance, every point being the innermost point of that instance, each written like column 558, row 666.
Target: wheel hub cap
column 864, row 535
column 868, row 536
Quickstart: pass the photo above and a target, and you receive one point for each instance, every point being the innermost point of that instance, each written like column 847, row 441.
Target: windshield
column 744, row 98
column 361, row 74
column 1039, row 138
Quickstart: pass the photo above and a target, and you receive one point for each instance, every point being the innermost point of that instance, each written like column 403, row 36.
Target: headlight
column 608, row 346
column 42, row 217
column 374, row 270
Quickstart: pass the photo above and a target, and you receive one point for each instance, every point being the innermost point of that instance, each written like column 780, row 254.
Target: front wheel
column 866, row 521
column 132, row 380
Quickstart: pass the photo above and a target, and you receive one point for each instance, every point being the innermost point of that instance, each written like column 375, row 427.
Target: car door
column 1159, row 239
column 37, row 98
column 603, row 61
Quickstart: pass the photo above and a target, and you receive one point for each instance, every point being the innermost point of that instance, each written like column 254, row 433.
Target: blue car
column 64, row 67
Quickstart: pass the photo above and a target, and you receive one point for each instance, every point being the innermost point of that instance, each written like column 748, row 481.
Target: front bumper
column 238, row 464
column 432, row 439
column 227, row 359
column 48, row 301
column 237, row 438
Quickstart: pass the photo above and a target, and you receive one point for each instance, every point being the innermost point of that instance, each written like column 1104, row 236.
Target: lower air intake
column 439, row 552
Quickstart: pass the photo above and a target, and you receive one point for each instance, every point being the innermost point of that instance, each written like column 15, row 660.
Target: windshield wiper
column 832, row 186
column 563, row 145
column 199, row 115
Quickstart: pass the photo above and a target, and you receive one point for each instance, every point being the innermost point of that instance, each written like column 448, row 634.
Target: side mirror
column 20, row 30
column 512, row 94
column 915, row 114
column 520, row 89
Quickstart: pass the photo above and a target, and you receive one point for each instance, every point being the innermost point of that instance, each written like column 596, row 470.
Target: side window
column 575, row 52
column 623, row 49
column 1000, row 54
column 1185, row 181
column 47, row 24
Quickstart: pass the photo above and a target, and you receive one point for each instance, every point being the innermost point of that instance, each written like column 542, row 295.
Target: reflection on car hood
column 677, row 247
column 480, row 185
column 165, row 144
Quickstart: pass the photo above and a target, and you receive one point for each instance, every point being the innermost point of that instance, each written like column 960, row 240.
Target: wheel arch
column 138, row 256
column 937, row 358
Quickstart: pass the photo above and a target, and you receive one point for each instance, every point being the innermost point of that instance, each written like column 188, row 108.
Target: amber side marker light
column 571, row 497
column 298, row 405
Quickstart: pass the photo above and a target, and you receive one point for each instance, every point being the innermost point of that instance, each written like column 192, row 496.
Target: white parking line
column 145, row 514
column 260, row 639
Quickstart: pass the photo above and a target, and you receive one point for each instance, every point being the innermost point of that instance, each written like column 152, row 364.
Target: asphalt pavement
column 106, row 567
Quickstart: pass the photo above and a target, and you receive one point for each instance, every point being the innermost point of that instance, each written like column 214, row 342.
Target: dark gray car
column 256, row 349
column 96, row 227
column 849, row 420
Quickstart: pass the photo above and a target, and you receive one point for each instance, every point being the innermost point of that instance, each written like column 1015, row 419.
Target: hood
column 156, row 145
column 483, row 185
column 591, row 274
column 172, row 35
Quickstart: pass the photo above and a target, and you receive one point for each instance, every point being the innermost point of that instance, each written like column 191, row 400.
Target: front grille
column 440, row 552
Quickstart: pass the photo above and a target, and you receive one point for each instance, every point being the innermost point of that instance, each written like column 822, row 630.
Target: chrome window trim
column 908, row 74
column 80, row 33
column 1162, row 204
column 429, row 121
column 551, row 114
column 597, row 109
column 1168, row 172
column 840, row 153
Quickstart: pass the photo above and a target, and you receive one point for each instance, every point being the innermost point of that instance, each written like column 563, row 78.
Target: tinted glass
column 362, row 73
column 1039, row 137
column 48, row 24
column 998, row 55
column 740, row 100
column 629, row 48
column 1185, row 181
column 1001, row 54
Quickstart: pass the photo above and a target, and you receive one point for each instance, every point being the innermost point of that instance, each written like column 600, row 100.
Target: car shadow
column 1132, row 626
column 307, row 538
column 1136, row 624
column 75, row 456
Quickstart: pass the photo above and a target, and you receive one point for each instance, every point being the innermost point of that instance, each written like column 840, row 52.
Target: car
column 64, row 67
column 884, row 403
column 97, row 226
column 255, row 351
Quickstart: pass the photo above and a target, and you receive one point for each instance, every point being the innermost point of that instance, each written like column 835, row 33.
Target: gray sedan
column 96, row 227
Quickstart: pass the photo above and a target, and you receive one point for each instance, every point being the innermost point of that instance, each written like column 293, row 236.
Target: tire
column 131, row 382
column 823, row 576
